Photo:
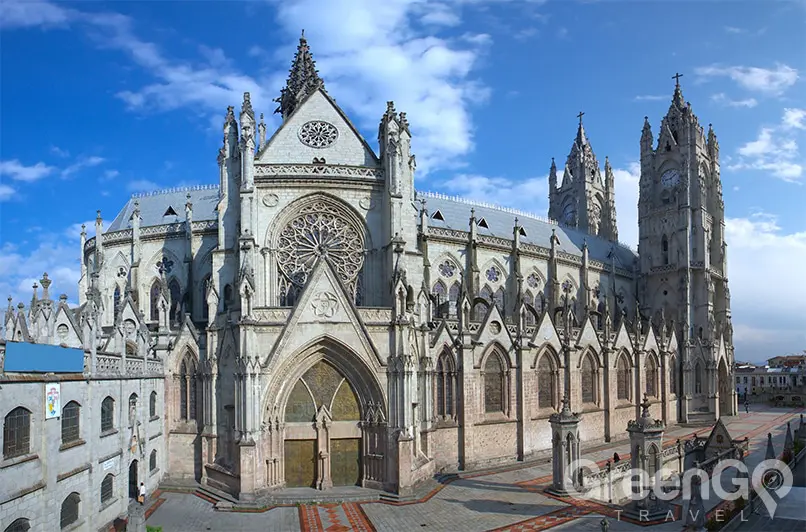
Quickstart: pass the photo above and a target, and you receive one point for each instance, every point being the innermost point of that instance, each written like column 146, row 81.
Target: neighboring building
column 788, row 361
column 336, row 327
column 781, row 373
column 81, row 430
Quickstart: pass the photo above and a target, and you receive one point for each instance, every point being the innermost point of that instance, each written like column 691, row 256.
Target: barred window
column 107, row 488
column 70, row 422
column 494, row 384
column 17, row 433
column 107, row 414
column 152, row 404
column 20, row 525
column 152, row 461
column 69, row 514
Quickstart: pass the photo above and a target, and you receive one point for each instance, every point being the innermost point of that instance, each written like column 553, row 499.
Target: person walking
column 746, row 407
column 141, row 494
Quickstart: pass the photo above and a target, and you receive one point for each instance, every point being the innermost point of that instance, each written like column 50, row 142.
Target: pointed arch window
column 546, row 382
column 498, row 299
column 187, row 389
column 588, row 378
column 651, row 376
column 440, row 299
column 228, row 297
column 446, row 386
column 17, row 433
column 176, row 299
column 664, row 244
column 529, row 301
column 652, row 461
column 116, row 296
column 623, row 379
column 673, row 375
column 698, row 377
column 20, row 525
column 155, row 299
column 152, row 405
column 494, row 384
column 453, row 298
column 480, row 310
column 152, row 461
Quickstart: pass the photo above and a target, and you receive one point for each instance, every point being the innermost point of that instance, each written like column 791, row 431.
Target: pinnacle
column 303, row 79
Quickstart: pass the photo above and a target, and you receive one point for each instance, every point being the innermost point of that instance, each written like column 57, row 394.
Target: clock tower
column 683, row 258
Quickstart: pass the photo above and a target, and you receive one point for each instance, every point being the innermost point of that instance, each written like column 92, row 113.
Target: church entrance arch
column 725, row 387
column 331, row 423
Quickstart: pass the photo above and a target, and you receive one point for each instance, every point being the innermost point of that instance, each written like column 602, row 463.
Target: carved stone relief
column 325, row 305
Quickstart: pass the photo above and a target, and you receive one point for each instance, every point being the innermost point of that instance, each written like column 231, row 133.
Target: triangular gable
column 21, row 333
column 322, row 305
column 623, row 340
column 487, row 332
column 719, row 440
column 588, row 337
column 651, row 342
column 442, row 335
column 671, row 342
column 349, row 148
column 546, row 334
column 65, row 317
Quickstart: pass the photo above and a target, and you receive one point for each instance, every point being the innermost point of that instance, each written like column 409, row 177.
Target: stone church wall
column 494, row 443
column 443, row 447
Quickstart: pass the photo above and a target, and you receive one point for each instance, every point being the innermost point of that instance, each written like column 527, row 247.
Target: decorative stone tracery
column 318, row 134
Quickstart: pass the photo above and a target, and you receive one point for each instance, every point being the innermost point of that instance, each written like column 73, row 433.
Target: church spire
column 303, row 79
column 582, row 138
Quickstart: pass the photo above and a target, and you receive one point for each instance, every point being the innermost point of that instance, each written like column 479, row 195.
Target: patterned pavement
column 511, row 500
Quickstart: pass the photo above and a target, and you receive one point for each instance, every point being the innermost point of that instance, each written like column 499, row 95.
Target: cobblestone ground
column 506, row 501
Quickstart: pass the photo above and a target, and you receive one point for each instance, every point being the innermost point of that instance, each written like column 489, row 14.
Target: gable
column 324, row 310
column 287, row 145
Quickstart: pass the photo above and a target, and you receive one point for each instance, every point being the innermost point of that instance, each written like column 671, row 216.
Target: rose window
column 533, row 281
column 493, row 274
column 318, row 134
column 567, row 286
column 447, row 269
column 320, row 229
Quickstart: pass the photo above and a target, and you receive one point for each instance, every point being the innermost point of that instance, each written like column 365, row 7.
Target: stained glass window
column 155, row 298
column 176, row 300
column 588, row 378
column 673, row 375
column 321, row 385
column 498, row 299
column 493, row 384
column 651, row 376
column 493, row 274
column 447, row 269
column 446, row 380
column 698, row 378
column 546, row 385
column 623, row 379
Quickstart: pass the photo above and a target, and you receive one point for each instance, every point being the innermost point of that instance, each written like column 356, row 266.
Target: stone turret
column 303, row 79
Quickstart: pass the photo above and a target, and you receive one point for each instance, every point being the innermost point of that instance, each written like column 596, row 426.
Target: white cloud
column 142, row 185
column 794, row 118
column 651, row 98
column 24, row 14
column 57, row 151
column 87, row 162
column 6, row 192
column 363, row 50
column 775, row 150
column 768, row 81
column 626, row 185
column 722, row 98
column 111, row 174
column 767, row 313
column 19, row 172
column 529, row 195
column 734, row 30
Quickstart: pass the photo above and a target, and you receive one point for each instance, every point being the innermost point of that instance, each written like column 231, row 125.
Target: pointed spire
column 552, row 176
column 581, row 137
column 303, row 79
column 610, row 178
column 677, row 98
column 261, row 128
column 246, row 107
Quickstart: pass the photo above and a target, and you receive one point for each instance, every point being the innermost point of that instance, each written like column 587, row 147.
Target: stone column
column 323, row 420
column 646, row 443
column 565, row 448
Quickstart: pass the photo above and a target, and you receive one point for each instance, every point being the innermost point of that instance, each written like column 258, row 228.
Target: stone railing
column 375, row 316
column 110, row 364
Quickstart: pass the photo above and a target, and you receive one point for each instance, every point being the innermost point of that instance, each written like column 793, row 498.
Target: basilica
column 322, row 323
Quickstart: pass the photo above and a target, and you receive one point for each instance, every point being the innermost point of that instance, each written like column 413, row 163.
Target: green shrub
column 153, row 528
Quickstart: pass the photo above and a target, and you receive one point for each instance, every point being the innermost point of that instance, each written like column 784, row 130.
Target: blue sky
column 100, row 100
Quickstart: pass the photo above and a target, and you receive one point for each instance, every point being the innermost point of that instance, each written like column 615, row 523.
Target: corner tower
column 683, row 272
column 583, row 200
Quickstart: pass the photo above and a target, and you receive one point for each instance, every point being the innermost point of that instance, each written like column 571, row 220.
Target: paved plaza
column 512, row 500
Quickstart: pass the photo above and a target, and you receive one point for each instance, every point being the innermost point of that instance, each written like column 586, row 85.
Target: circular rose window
column 318, row 134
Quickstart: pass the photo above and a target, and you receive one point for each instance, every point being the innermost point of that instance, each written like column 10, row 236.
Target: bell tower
column 683, row 255
column 584, row 200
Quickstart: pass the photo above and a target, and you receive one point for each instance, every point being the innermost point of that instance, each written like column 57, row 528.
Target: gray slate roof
column 454, row 211
column 501, row 221
column 153, row 206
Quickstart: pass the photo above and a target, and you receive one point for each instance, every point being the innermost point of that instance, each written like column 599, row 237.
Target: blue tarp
column 23, row 357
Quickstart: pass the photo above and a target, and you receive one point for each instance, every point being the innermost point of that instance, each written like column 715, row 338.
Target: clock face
column 670, row 178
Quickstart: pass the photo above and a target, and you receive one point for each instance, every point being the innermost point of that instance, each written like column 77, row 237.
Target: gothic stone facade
column 340, row 328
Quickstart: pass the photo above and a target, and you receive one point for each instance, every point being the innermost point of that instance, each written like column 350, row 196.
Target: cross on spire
column 580, row 115
column 676, row 78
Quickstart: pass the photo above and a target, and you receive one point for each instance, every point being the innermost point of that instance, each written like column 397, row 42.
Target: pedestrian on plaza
column 746, row 407
column 615, row 458
column 141, row 495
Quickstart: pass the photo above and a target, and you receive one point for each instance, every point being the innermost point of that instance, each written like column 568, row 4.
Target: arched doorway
column 725, row 386
column 323, row 433
column 133, row 479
